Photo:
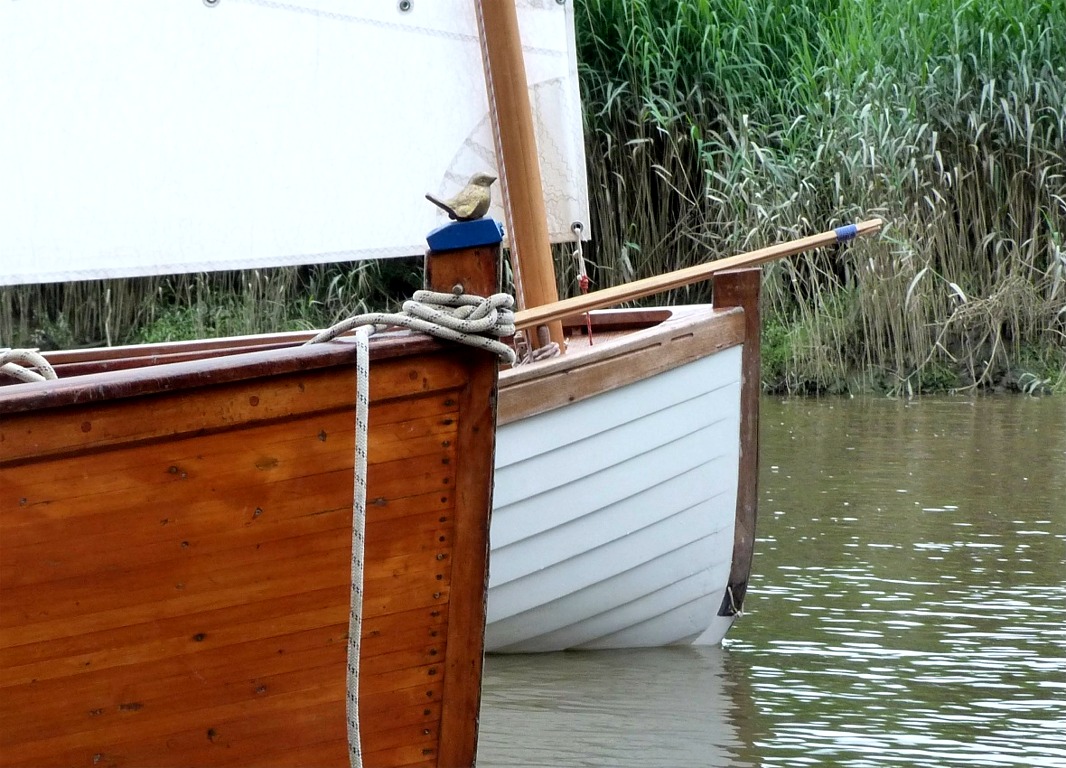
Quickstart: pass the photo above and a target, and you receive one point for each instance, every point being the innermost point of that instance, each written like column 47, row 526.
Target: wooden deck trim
column 586, row 371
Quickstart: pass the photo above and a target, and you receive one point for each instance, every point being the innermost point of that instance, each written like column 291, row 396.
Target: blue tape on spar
column 846, row 232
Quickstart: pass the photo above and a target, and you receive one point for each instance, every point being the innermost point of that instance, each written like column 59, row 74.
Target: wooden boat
column 624, row 513
column 176, row 554
column 625, row 506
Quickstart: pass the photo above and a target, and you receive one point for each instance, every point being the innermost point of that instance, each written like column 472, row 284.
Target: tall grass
column 717, row 126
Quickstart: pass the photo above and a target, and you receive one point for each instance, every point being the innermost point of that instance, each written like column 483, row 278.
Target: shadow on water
column 907, row 608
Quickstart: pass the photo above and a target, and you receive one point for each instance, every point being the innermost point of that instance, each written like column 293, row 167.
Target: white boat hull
column 614, row 516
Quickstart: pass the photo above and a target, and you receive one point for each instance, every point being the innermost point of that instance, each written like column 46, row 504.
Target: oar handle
column 682, row 277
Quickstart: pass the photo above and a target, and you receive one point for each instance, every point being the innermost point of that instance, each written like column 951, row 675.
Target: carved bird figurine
column 472, row 202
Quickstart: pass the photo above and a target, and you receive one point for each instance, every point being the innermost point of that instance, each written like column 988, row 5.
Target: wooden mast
column 519, row 164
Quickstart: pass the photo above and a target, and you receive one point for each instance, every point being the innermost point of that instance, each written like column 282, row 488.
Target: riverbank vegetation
column 718, row 126
column 722, row 125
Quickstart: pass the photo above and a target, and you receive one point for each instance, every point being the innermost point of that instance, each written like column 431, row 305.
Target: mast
column 518, row 161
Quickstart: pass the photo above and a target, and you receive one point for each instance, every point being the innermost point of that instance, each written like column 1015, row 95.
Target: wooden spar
column 682, row 277
column 518, row 160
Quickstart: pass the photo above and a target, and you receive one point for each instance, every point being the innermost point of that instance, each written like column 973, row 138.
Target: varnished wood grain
column 467, row 608
column 175, row 579
column 130, row 418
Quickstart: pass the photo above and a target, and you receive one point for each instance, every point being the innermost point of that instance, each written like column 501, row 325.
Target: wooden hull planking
column 705, row 356
column 175, row 559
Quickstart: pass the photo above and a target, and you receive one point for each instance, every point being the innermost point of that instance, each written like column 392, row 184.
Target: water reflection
column 909, row 603
column 664, row 706
column 908, row 608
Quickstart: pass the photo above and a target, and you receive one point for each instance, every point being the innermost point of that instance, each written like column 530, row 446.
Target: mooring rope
column 26, row 365
column 526, row 353
column 355, row 611
column 472, row 320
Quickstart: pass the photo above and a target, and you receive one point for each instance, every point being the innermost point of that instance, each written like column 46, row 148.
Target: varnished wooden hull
column 175, row 558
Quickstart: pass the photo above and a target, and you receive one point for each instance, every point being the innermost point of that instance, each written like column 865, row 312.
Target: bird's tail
column 441, row 204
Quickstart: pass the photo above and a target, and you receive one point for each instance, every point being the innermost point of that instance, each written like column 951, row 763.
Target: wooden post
column 466, row 255
column 740, row 288
column 519, row 164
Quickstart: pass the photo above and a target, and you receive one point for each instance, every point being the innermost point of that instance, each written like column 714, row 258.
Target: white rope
column 355, row 613
column 472, row 320
column 26, row 365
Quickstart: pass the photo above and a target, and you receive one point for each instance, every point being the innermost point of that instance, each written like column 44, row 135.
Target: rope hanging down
column 26, row 365
column 355, row 610
column 472, row 320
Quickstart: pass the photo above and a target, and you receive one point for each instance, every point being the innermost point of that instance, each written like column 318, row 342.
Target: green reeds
column 716, row 127
column 205, row 305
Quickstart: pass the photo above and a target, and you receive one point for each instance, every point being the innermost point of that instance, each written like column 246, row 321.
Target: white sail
column 180, row 136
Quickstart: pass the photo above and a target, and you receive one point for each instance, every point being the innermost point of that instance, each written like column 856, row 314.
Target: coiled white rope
column 26, row 365
column 473, row 320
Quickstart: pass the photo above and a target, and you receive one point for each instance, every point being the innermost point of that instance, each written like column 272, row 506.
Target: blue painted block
column 465, row 234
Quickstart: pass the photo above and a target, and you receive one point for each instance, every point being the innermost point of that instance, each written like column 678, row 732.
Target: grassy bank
column 717, row 126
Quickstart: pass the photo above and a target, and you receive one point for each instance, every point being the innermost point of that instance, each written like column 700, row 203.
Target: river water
column 907, row 608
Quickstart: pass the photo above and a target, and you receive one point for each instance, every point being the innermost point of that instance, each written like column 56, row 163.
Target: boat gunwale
column 688, row 333
column 661, row 321
column 156, row 376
